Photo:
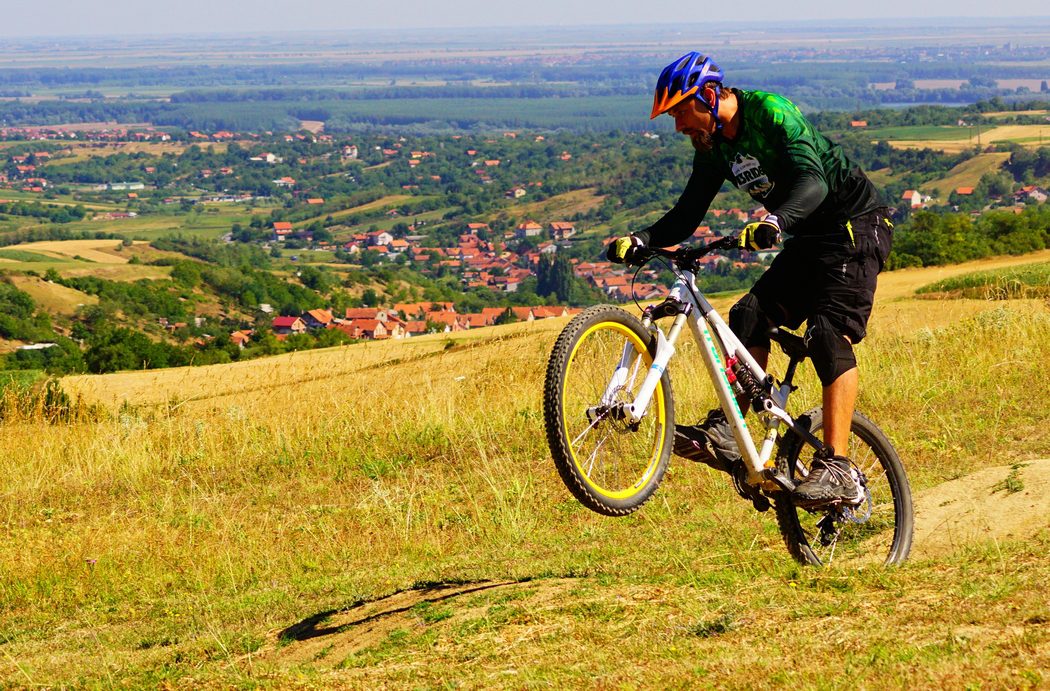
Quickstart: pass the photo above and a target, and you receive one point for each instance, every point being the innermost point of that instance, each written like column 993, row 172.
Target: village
column 499, row 261
column 478, row 263
column 478, row 255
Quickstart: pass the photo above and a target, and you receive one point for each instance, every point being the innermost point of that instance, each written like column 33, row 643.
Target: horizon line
column 873, row 22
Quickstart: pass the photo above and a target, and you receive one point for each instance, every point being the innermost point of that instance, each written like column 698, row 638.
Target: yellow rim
column 660, row 412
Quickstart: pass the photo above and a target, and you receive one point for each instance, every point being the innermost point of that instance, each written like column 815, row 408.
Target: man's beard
column 702, row 141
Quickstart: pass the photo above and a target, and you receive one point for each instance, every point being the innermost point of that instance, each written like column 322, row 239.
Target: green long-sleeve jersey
column 783, row 163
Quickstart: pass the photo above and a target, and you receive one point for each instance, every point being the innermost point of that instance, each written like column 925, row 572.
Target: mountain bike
column 609, row 413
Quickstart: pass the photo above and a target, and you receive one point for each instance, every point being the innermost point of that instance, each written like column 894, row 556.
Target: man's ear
column 709, row 96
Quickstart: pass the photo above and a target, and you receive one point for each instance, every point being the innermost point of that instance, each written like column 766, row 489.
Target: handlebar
column 685, row 257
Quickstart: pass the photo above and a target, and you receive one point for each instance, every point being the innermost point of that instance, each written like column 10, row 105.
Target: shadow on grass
column 429, row 592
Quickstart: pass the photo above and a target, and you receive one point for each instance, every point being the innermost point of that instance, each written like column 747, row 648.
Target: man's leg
column 839, row 398
column 833, row 478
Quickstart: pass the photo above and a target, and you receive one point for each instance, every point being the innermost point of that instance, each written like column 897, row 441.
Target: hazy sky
column 84, row 17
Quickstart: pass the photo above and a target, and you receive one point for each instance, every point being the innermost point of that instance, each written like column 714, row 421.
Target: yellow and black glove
column 621, row 250
column 760, row 235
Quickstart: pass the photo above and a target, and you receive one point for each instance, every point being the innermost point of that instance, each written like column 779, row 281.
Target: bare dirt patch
column 1006, row 502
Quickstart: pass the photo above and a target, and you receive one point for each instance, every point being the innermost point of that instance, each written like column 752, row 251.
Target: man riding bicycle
column 826, row 273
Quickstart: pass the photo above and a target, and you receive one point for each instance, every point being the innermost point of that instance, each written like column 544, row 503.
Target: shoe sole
column 830, row 502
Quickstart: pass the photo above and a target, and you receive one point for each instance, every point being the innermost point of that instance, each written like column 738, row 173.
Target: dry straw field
column 386, row 515
column 99, row 251
column 1027, row 135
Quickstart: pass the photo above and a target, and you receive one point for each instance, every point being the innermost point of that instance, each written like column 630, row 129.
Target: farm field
column 214, row 222
column 433, row 216
column 70, row 258
column 1014, row 113
column 386, row 514
column 955, row 139
column 100, row 251
column 388, row 201
column 69, row 267
column 53, row 298
column 84, row 151
column 59, row 200
column 967, row 174
column 561, row 205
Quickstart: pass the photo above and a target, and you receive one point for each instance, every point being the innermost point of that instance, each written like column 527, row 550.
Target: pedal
column 749, row 492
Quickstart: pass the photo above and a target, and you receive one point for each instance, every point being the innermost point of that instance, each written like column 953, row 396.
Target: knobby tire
column 624, row 467
column 889, row 530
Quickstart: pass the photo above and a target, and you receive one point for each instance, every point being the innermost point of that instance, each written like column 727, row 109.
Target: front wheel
column 601, row 358
column 822, row 537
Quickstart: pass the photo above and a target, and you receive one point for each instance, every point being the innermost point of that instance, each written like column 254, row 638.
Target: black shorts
column 833, row 273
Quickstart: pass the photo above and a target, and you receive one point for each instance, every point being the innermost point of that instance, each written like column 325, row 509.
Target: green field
column 922, row 132
column 24, row 256
column 214, row 222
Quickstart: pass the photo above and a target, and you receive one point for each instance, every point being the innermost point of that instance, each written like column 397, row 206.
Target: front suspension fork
column 664, row 351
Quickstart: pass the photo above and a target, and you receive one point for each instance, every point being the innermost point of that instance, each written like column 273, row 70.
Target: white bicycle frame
column 717, row 344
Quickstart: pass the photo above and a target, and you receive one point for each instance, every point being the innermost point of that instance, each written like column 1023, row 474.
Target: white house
column 913, row 198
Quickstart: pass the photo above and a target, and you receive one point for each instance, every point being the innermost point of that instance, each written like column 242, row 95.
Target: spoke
column 594, row 456
column 629, row 384
column 867, row 469
column 587, row 429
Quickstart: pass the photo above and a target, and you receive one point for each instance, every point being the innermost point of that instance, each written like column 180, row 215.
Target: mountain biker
column 824, row 275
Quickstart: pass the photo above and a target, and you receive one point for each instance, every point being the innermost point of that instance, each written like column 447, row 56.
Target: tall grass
column 165, row 539
column 1029, row 281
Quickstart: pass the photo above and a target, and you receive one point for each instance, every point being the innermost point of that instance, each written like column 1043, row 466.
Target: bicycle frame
column 718, row 345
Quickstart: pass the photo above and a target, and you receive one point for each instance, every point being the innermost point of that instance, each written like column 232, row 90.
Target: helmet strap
column 714, row 109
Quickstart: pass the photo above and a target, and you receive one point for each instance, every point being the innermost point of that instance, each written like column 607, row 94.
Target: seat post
column 793, row 361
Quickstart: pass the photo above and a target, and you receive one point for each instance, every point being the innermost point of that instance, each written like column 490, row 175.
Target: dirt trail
column 1006, row 502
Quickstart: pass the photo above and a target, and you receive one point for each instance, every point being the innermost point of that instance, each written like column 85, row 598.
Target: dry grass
column 112, row 272
column 1012, row 113
column 383, row 202
column 561, row 205
column 86, row 151
column 1027, row 135
column 173, row 536
column 51, row 297
column 968, row 173
column 904, row 283
column 100, row 251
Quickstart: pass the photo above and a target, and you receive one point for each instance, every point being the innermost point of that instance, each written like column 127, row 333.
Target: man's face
column 693, row 119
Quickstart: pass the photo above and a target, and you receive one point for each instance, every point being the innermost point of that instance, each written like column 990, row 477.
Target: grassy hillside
column 967, row 174
column 386, row 514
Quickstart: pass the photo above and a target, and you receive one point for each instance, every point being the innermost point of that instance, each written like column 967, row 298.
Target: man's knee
column 831, row 352
column 749, row 322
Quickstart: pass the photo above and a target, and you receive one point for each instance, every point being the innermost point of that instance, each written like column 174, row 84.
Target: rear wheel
column 828, row 536
column 599, row 361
